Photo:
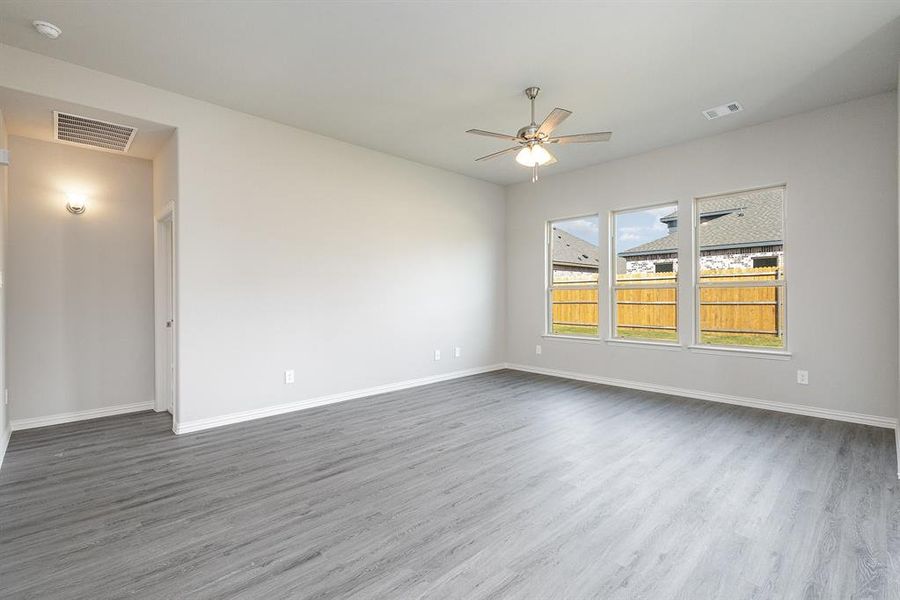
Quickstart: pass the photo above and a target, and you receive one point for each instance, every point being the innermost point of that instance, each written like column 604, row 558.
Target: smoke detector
column 721, row 111
column 48, row 30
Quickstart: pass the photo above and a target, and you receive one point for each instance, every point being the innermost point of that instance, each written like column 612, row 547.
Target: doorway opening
column 91, row 207
column 166, row 364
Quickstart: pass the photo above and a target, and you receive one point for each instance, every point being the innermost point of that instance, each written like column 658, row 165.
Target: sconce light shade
column 76, row 204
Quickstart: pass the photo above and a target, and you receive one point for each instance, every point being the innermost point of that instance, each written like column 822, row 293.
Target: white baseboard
column 897, row 442
column 4, row 444
column 269, row 411
column 82, row 415
column 796, row 409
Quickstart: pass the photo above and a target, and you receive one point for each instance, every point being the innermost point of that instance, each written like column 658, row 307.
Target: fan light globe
column 524, row 157
column 540, row 156
column 532, row 155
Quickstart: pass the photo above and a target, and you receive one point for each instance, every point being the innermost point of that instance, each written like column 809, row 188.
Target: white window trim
column 583, row 339
column 744, row 351
column 548, row 282
column 613, row 342
column 697, row 345
column 614, row 287
column 651, row 343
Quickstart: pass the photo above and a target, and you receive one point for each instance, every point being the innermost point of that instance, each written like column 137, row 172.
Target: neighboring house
column 735, row 232
column 574, row 259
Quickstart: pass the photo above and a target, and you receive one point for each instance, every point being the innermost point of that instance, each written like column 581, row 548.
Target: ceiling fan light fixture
column 530, row 140
column 530, row 156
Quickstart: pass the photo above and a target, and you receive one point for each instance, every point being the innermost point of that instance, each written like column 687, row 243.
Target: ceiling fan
column 532, row 138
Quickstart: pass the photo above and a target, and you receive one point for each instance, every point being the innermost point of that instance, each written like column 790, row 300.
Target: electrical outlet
column 537, row 349
column 803, row 377
column 289, row 376
column 457, row 352
column 437, row 355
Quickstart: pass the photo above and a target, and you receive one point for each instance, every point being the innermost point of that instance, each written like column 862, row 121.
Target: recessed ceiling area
column 418, row 75
column 31, row 116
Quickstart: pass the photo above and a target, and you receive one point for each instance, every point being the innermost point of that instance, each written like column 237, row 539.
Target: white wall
column 840, row 167
column 165, row 174
column 80, row 288
column 299, row 251
column 4, row 411
column 347, row 265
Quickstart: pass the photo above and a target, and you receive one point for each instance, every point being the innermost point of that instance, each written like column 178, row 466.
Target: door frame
column 165, row 272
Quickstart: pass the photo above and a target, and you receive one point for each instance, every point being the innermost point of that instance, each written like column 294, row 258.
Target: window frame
column 614, row 287
column 548, row 279
column 698, row 286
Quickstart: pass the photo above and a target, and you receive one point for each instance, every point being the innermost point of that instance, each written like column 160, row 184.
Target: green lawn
column 713, row 339
column 660, row 335
column 585, row 330
column 759, row 340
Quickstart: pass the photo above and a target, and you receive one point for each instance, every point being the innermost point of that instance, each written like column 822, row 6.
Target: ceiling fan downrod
column 532, row 93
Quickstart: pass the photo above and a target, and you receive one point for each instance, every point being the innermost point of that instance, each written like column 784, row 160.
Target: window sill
column 699, row 349
column 750, row 352
column 573, row 338
column 649, row 343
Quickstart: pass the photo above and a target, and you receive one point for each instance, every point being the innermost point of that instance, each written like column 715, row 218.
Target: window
column 665, row 267
column 761, row 262
column 574, row 276
column 740, row 269
column 645, row 286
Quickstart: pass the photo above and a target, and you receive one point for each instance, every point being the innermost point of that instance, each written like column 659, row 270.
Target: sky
column 640, row 227
column 587, row 228
column 632, row 229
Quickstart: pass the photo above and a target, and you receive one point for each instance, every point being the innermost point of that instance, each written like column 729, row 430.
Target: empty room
column 449, row 300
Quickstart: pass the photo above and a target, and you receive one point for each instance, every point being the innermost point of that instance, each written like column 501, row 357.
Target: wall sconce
column 76, row 204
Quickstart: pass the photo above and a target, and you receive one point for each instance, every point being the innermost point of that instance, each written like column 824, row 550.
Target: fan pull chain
column 534, row 173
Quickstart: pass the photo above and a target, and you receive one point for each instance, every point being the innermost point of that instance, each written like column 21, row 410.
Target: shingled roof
column 571, row 250
column 747, row 220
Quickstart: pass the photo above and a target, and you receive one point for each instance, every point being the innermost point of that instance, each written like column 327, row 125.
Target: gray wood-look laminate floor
column 503, row 485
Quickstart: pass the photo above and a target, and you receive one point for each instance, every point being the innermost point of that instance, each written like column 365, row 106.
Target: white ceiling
column 409, row 78
column 31, row 116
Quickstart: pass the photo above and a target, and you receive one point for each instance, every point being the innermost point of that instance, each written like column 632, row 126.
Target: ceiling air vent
column 721, row 111
column 82, row 131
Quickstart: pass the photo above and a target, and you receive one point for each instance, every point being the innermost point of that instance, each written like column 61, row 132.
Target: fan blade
column 556, row 116
column 581, row 138
column 502, row 136
column 496, row 154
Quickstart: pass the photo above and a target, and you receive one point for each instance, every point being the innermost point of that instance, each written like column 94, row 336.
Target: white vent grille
column 82, row 131
column 721, row 111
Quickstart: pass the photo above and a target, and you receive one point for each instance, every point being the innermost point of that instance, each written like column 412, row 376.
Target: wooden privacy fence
column 752, row 310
